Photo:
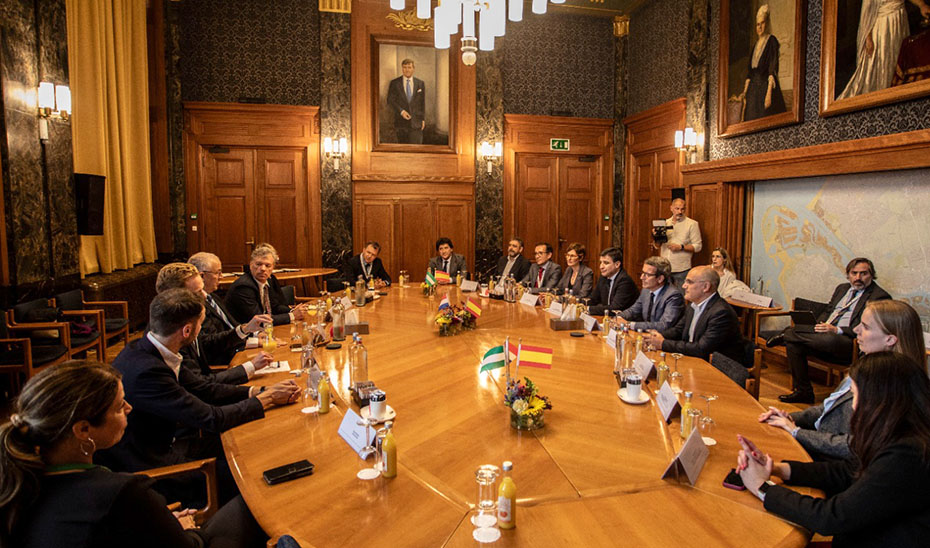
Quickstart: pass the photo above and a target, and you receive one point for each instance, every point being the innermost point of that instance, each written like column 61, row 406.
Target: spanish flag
column 474, row 308
column 535, row 356
column 443, row 277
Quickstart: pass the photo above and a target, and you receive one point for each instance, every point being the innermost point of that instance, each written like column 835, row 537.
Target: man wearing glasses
column 660, row 303
column 220, row 335
column 544, row 273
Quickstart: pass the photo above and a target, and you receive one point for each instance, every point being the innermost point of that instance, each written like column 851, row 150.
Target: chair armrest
column 205, row 466
column 122, row 305
column 765, row 314
column 97, row 314
column 64, row 330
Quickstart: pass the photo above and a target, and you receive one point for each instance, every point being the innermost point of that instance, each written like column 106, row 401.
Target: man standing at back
column 684, row 240
column 832, row 337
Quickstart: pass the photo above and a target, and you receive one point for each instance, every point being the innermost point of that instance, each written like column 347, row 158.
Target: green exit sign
column 559, row 145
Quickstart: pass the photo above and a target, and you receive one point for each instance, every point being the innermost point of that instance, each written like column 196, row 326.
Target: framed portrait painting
column 413, row 101
column 761, row 69
column 873, row 52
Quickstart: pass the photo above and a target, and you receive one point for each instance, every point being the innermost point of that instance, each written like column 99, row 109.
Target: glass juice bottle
column 323, row 389
column 685, row 417
column 389, row 452
column 507, row 499
column 661, row 370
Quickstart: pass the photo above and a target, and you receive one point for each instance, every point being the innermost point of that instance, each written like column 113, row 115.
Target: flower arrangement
column 526, row 405
column 428, row 289
column 453, row 319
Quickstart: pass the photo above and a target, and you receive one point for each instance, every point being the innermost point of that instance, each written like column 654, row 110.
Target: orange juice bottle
column 507, row 499
column 389, row 452
column 323, row 389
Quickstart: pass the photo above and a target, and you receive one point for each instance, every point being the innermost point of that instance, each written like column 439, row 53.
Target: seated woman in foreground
column 823, row 430
column 53, row 495
column 879, row 499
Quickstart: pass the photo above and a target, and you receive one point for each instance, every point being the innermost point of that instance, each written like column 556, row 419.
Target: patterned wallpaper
column 814, row 130
column 559, row 62
column 243, row 48
column 658, row 54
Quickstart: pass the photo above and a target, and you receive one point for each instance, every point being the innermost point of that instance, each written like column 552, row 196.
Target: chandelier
column 491, row 16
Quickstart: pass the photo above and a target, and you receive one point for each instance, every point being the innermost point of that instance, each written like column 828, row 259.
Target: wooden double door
column 557, row 202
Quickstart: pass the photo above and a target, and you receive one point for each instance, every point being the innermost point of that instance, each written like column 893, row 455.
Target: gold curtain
column 107, row 58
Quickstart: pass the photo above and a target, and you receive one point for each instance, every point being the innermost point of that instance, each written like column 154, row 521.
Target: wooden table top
column 300, row 273
column 750, row 306
column 591, row 477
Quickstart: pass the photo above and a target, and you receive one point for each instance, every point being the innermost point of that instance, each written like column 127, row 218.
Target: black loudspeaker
column 678, row 193
column 88, row 197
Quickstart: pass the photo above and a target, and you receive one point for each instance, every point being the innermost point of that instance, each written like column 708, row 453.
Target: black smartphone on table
column 288, row 472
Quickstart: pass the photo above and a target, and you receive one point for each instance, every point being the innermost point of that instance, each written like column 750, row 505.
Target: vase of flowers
column 428, row 289
column 527, row 406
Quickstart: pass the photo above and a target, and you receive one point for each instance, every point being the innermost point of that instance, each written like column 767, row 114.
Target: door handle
column 250, row 243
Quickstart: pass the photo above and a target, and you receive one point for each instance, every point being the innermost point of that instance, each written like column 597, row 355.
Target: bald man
column 709, row 324
column 684, row 240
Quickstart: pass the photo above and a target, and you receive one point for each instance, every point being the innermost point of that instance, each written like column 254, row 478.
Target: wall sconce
column 335, row 149
column 490, row 152
column 54, row 102
column 686, row 141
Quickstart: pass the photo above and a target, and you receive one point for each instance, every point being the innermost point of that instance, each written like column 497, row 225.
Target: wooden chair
column 19, row 316
column 115, row 314
column 760, row 336
column 290, row 296
column 19, row 356
column 747, row 374
column 207, row 467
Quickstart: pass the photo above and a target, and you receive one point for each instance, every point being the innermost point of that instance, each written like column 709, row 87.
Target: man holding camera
column 684, row 240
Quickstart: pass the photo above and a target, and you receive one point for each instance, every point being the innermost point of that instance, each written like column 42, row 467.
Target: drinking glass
column 269, row 344
column 674, row 378
column 486, row 477
column 707, row 422
column 695, row 415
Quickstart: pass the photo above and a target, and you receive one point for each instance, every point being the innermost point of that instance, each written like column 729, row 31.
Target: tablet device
column 803, row 320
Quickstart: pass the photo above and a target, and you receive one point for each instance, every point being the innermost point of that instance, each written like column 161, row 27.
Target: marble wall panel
column 175, row 112
column 558, row 62
column 489, row 187
column 698, row 67
column 621, row 98
column 336, row 122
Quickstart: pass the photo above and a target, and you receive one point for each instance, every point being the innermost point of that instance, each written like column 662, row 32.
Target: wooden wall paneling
column 287, row 141
column 580, row 207
column 228, row 194
column 527, row 137
column 455, row 220
column 417, row 244
column 374, row 221
column 706, row 204
column 404, row 163
column 158, row 126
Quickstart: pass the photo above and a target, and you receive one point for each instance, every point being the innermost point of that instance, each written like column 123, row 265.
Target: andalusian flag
column 429, row 280
column 473, row 307
column 443, row 277
column 444, row 303
column 493, row 359
column 535, row 356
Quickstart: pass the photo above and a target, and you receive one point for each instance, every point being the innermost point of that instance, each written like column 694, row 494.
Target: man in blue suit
column 407, row 101
column 660, row 303
column 709, row 325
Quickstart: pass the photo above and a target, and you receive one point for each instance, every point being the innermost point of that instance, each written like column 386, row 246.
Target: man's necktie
column 266, row 301
column 445, row 266
column 409, row 91
column 539, row 278
column 652, row 300
column 219, row 311
column 839, row 312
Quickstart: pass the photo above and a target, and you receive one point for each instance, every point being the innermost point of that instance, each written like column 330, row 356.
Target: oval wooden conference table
column 591, row 477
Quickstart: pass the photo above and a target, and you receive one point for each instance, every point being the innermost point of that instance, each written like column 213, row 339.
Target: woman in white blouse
column 729, row 283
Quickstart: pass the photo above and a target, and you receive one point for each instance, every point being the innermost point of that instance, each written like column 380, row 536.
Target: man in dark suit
column 406, row 98
column 832, row 339
column 513, row 264
column 615, row 289
column 543, row 274
column 258, row 291
column 167, row 397
column 660, row 303
column 186, row 276
column 447, row 260
column 368, row 265
column 221, row 337
column 709, row 325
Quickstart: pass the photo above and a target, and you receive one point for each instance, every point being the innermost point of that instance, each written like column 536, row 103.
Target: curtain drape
column 107, row 59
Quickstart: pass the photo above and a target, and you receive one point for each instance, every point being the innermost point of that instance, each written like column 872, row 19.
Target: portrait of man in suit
column 412, row 84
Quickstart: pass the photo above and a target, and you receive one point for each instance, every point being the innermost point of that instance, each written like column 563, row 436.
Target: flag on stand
column 443, row 277
column 473, row 307
column 430, row 279
column 493, row 359
column 444, row 303
column 536, row 356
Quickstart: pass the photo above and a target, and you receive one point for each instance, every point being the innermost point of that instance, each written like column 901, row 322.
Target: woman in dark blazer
column 879, row 498
column 52, row 493
column 578, row 278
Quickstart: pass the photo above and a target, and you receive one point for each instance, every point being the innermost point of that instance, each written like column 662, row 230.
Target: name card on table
column 555, row 308
column 668, row 402
column 529, row 299
column 612, row 339
column 752, row 298
column 252, row 342
column 590, row 323
column 690, row 459
column 469, row 285
column 346, row 302
column 643, row 365
column 353, row 434
column 351, row 317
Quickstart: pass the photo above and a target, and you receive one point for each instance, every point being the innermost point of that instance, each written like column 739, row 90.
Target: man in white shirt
column 684, row 240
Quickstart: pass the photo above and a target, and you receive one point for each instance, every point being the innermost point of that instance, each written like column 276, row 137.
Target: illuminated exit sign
column 559, row 145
